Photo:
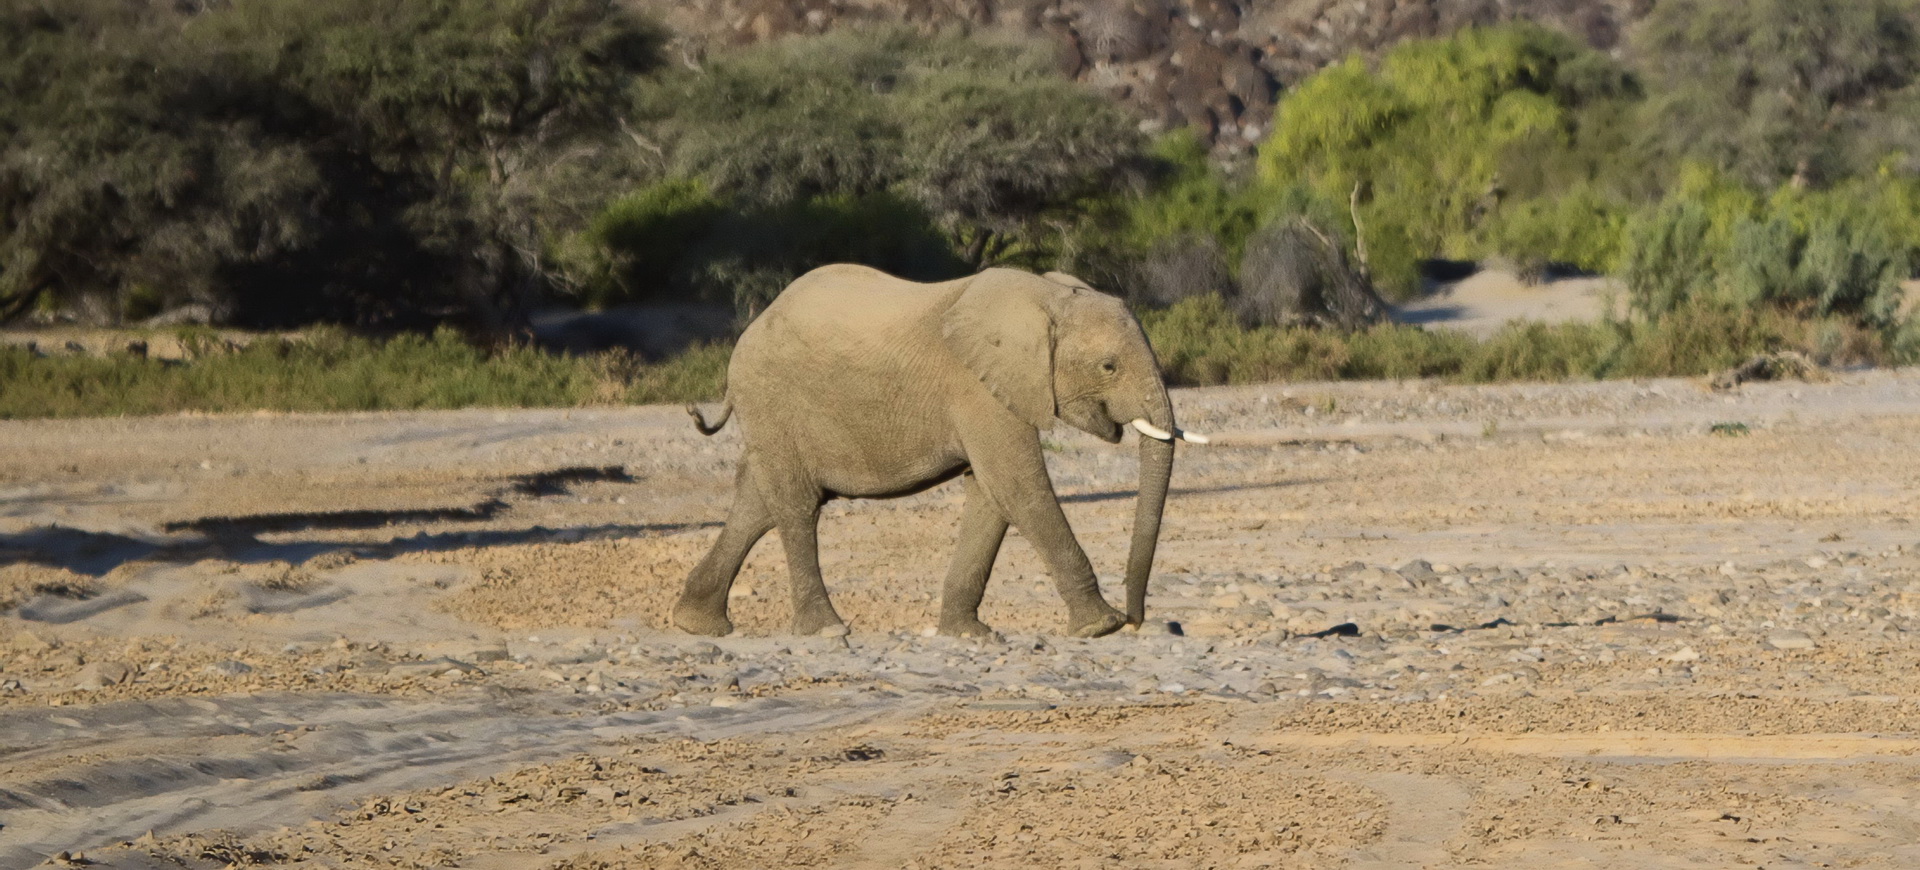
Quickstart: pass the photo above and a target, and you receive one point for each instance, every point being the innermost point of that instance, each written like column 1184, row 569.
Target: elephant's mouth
column 1094, row 419
column 1109, row 429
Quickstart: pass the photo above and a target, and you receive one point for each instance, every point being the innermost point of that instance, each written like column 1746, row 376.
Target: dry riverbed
column 1407, row 625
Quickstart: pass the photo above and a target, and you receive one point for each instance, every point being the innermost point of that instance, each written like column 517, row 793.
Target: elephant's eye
column 1108, row 367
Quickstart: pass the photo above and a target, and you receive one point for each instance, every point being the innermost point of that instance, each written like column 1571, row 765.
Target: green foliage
column 1827, row 253
column 1580, row 228
column 1668, row 260
column 633, row 248
column 1425, row 137
column 675, row 242
column 1778, row 89
column 1191, row 197
column 1199, row 341
column 1840, row 262
column 329, row 370
column 267, row 157
column 980, row 132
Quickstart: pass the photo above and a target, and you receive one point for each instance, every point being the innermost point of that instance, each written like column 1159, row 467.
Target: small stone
column 491, row 654
column 431, row 667
column 229, row 668
column 1417, row 573
column 1789, row 639
column 100, row 675
column 1684, row 654
column 28, row 641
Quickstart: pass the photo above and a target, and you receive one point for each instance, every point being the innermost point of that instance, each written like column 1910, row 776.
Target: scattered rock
column 494, row 653
column 1418, row 573
column 229, row 668
column 100, row 675
column 431, row 667
column 706, row 653
column 1790, row 639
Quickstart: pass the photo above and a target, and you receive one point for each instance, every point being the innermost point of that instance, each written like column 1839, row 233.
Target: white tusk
column 1193, row 437
column 1151, row 431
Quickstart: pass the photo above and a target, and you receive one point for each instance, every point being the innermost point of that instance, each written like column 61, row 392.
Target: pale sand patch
column 1482, row 303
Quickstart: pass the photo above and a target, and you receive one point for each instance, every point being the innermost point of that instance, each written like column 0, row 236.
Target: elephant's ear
column 1003, row 333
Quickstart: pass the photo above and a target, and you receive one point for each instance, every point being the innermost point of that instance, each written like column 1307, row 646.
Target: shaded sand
column 1586, row 631
column 1485, row 301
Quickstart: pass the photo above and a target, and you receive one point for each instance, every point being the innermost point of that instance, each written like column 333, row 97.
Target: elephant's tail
column 700, row 422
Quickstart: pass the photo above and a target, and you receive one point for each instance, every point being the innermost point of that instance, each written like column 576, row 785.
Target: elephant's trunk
column 1156, row 468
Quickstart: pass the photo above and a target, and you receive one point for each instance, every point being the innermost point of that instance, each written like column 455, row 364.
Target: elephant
column 855, row 384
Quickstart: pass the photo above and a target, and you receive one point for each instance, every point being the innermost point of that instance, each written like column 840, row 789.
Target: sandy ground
column 1482, row 303
column 1630, row 624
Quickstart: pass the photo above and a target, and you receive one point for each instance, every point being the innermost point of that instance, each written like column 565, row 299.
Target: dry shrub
column 1178, row 268
column 1294, row 274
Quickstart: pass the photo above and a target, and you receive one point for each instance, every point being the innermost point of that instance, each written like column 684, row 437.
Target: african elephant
column 856, row 384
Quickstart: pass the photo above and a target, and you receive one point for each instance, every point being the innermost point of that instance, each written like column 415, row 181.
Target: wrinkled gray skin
column 857, row 384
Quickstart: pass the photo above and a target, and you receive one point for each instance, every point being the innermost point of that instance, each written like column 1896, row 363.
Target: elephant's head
column 1054, row 348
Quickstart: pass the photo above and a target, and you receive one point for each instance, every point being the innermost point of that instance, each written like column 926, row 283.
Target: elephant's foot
column 1098, row 623
column 697, row 619
column 819, row 622
column 967, row 626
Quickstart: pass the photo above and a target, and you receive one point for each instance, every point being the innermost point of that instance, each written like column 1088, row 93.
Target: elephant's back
column 851, row 297
column 853, row 315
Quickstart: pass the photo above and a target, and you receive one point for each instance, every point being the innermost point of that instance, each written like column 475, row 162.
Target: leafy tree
column 1423, row 140
column 285, row 161
column 981, row 132
column 675, row 241
column 1779, row 90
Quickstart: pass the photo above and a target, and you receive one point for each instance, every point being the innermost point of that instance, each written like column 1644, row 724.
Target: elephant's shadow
column 1177, row 491
column 93, row 553
column 237, row 538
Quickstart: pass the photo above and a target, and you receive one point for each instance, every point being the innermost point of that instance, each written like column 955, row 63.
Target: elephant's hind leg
column 982, row 529
column 813, row 612
column 702, row 608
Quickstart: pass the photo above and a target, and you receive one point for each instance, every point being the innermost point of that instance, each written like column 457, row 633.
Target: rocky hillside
column 1215, row 65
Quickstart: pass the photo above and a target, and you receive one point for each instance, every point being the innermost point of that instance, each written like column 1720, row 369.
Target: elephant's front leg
column 982, row 529
column 1013, row 470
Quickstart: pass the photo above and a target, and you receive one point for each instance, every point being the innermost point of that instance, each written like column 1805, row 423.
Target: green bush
column 634, row 249
column 981, row 132
column 1581, row 228
column 285, row 161
column 329, row 370
column 674, row 242
column 1425, row 137
column 1774, row 90
column 1668, row 259
column 1199, row 341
